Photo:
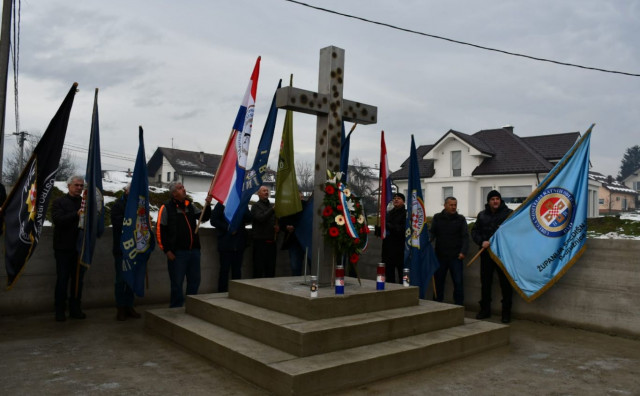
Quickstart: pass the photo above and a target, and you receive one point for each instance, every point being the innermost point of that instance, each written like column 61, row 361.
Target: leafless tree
column 13, row 167
column 304, row 175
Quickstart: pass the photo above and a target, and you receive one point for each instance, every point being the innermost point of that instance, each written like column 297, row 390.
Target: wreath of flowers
column 344, row 222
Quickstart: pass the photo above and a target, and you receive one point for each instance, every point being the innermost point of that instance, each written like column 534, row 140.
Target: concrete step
column 289, row 295
column 303, row 337
column 287, row 374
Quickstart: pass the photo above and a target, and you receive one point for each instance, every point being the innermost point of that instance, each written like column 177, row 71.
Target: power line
column 462, row 42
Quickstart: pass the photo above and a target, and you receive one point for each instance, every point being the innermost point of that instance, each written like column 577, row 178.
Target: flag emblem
column 142, row 234
column 552, row 212
column 417, row 219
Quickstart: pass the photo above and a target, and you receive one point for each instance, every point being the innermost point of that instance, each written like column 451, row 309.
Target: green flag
column 287, row 195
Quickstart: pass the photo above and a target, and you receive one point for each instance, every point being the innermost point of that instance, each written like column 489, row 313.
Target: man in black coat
column 65, row 213
column 393, row 243
column 231, row 246
column 487, row 223
column 451, row 236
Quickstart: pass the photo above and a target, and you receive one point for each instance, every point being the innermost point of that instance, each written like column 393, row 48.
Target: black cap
column 493, row 193
column 399, row 195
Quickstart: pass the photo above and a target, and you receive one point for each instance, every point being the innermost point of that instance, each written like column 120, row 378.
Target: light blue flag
column 546, row 235
column 419, row 255
column 137, row 241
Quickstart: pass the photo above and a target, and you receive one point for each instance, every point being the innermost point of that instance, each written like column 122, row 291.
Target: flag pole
column 475, row 257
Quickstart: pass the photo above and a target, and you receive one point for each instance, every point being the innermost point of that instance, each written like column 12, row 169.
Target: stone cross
column 330, row 108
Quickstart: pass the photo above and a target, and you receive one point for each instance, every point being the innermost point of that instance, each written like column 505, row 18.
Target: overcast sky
column 180, row 69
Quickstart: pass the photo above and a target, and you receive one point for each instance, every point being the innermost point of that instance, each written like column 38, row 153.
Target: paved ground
column 100, row 356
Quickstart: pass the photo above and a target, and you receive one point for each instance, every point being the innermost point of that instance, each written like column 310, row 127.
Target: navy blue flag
column 253, row 177
column 26, row 206
column 304, row 227
column 419, row 255
column 92, row 210
column 546, row 235
column 345, row 143
column 137, row 241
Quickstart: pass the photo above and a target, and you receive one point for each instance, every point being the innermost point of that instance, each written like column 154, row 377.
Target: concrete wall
column 600, row 292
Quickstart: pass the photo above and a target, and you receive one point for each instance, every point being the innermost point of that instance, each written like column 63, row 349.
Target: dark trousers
column 186, row 264
column 296, row 259
column 229, row 259
column 454, row 266
column 264, row 258
column 391, row 269
column 123, row 293
column 66, row 275
column 487, row 268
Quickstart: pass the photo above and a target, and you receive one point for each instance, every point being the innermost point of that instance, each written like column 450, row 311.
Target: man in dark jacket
column 393, row 243
column 451, row 236
column 288, row 225
column 231, row 246
column 487, row 223
column 65, row 213
column 264, row 231
column 123, row 293
column 176, row 236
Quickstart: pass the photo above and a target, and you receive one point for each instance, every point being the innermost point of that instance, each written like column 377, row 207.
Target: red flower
column 354, row 258
column 327, row 211
column 339, row 207
column 329, row 190
column 353, row 219
column 356, row 241
column 357, row 204
column 333, row 231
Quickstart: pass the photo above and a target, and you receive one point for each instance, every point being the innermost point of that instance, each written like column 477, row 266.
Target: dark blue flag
column 137, row 240
column 253, row 177
column 92, row 215
column 419, row 255
column 304, row 227
column 345, row 142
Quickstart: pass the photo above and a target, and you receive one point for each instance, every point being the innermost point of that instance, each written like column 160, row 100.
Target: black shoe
column 131, row 313
column 78, row 315
column 61, row 316
column 506, row 317
column 122, row 314
column 483, row 315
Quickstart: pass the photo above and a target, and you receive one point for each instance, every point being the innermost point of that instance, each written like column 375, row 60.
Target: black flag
column 26, row 206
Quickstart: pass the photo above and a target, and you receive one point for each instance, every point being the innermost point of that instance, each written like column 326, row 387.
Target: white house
column 469, row 166
column 193, row 169
column 633, row 181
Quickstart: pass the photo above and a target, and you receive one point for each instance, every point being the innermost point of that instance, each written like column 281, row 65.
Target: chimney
column 202, row 156
column 508, row 128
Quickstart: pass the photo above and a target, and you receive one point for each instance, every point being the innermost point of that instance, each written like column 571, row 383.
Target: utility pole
column 22, row 136
column 5, row 45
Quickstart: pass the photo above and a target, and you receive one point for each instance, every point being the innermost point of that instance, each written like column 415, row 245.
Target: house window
column 168, row 176
column 515, row 194
column 159, row 177
column 600, row 201
column 175, row 176
column 447, row 192
column 456, row 163
column 636, row 185
column 617, row 198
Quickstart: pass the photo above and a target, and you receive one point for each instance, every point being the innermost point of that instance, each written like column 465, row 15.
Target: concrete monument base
column 270, row 332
